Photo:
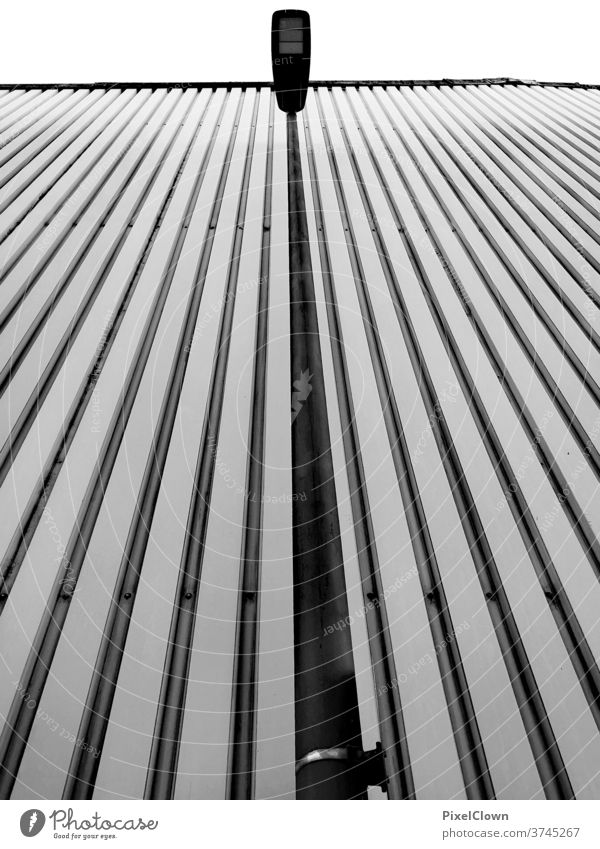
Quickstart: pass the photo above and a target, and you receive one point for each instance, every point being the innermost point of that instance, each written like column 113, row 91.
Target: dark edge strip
column 269, row 84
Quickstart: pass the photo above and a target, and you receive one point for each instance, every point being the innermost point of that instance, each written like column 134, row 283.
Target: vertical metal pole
column 326, row 711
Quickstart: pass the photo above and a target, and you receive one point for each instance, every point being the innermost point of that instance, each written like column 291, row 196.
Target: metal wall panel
column 146, row 611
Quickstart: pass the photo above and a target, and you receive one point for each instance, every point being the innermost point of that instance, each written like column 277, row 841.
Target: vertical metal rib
column 502, row 121
column 94, row 723
column 8, row 372
column 20, row 718
column 560, row 485
column 571, row 421
column 501, row 181
column 162, row 769
column 17, row 99
column 33, row 127
column 242, row 743
column 572, row 634
column 547, row 755
column 99, row 119
column 400, row 784
column 584, row 324
column 566, row 264
column 54, row 297
column 573, row 104
column 548, row 147
column 456, row 689
column 558, row 117
column 326, row 702
column 17, row 548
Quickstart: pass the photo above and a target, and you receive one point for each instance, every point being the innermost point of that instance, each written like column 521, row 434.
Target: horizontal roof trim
column 314, row 83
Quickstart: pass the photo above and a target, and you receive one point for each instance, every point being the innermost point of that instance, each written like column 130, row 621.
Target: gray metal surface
column 146, row 609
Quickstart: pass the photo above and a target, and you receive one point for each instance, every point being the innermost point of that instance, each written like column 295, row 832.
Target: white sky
column 125, row 40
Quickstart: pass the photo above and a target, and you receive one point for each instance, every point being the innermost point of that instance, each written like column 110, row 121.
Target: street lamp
column 330, row 763
column 290, row 55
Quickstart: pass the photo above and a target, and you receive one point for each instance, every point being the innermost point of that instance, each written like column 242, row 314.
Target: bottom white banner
column 318, row 824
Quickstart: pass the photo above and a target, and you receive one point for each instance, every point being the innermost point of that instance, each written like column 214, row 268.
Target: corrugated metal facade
column 147, row 411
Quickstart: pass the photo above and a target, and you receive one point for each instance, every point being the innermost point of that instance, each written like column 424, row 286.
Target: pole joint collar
column 371, row 763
